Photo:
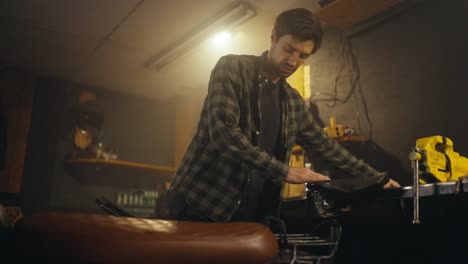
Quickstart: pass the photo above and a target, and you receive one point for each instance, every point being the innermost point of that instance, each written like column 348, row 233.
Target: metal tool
column 415, row 156
column 439, row 161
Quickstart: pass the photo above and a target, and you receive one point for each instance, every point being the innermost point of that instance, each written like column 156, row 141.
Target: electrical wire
column 366, row 111
column 347, row 59
column 87, row 60
column 106, row 38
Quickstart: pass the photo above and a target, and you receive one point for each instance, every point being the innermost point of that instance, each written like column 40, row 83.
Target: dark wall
column 138, row 129
column 44, row 133
column 412, row 79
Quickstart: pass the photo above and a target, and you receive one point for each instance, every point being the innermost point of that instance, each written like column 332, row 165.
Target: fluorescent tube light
column 233, row 16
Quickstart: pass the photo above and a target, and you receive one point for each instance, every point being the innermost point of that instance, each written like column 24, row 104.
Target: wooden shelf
column 117, row 172
column 351, row 138
column 348, row 138
column 344, row 14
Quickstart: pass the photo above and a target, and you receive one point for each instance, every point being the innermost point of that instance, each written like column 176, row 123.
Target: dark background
column 412, row 84
column 412, row 79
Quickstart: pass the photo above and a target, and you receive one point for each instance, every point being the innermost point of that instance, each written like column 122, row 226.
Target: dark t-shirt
column 256, row 202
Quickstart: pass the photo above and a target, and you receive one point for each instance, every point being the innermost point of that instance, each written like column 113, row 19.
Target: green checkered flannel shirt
column 223, row 152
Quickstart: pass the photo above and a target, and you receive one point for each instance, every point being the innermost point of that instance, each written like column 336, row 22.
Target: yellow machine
column 439, row 163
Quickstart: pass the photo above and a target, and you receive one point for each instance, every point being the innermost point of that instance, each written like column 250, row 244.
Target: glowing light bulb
column 221, row 39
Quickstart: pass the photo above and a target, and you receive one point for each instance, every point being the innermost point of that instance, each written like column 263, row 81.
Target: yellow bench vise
column 439, row 162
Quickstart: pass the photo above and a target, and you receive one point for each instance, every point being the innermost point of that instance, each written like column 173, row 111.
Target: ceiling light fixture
column 229, row 18
column 221, row 39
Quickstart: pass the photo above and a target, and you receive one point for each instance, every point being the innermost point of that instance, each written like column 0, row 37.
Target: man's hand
column 391, row 184
column 304, row 175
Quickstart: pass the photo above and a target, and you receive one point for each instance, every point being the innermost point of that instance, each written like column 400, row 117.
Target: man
column 238, row 159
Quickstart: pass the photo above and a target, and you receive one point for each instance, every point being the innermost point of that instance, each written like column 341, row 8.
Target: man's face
column 287, row 53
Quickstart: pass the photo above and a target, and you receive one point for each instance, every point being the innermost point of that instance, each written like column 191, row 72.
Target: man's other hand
column 391, row 184
column 304, row 175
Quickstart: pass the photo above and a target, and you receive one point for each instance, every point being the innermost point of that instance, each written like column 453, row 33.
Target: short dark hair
column 301, row 24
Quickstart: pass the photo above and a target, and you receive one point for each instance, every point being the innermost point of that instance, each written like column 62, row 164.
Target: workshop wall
column 136, row 128
column 412, row 80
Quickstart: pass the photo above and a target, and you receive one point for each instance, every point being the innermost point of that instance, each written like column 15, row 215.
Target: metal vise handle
column 415, row 156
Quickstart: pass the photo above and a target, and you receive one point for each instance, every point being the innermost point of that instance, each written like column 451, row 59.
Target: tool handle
column 415, row 156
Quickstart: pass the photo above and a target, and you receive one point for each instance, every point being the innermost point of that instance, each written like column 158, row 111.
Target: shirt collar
column 262, row 76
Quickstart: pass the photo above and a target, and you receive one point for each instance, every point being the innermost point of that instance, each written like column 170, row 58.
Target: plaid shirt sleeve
column 312, row 138
column 224, row 92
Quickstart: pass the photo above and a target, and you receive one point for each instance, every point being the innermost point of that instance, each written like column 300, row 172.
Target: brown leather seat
column 94, row 238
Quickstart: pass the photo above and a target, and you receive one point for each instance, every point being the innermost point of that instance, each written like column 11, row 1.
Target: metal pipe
column 415, row 156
